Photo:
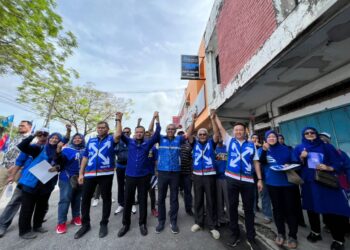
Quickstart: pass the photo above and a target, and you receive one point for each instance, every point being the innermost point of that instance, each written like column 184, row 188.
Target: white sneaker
column 133, row 209
column 195, row 228
column 95, row 203
column 215, row 234
column 119, row 209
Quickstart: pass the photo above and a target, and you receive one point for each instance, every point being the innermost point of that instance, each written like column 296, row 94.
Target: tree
column 84, row 106
column 32, row 40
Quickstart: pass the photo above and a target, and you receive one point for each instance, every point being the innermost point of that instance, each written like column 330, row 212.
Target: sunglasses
column 202, row 134
column 42, row 134
column 171, row 129
column 309, row 133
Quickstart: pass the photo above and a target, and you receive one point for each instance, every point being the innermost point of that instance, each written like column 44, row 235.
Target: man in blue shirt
column 169, row 170
column 97, row 168
column 137, row 174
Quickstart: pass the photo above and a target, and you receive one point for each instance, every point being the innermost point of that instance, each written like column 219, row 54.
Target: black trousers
column 105, row 184
column 32, row 204
column 121, row 185
column 205, row 186
column 142, row 185
column 172, row 180
column 247, row 191
column 285, row 208
column 337, row 224
column 186, row 186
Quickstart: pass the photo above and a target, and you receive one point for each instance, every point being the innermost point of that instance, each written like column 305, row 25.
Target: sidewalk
column 266, row 234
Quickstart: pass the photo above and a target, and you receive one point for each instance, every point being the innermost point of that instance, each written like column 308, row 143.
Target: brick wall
column 243, row 27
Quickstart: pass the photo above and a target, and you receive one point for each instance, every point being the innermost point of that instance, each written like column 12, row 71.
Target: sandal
column 292, row 243
column 279, row 240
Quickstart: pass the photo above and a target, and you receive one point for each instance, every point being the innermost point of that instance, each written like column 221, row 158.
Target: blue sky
column 128, row 46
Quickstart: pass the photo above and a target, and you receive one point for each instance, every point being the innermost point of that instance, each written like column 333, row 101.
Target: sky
column 129, row 48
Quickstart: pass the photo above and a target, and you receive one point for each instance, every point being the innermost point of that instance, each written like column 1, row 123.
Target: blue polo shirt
column 138, row 154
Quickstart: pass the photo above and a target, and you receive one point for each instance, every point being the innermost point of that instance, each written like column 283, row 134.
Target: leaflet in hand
column 314, row 159
column 41, row 171
column 284, row 167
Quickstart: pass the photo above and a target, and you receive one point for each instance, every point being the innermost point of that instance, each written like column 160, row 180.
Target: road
column 132, row 240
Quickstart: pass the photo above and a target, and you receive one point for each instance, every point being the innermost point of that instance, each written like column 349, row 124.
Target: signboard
column 176, row 120
column 189, row 67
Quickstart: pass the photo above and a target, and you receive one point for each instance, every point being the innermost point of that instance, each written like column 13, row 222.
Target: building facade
column 280, row 64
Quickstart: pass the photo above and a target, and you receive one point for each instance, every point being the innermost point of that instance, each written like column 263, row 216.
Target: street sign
column 189, row 67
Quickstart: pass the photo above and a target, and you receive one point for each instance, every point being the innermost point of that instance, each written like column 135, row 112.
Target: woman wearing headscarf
column 283, row 194
column 70, row 192
column 35, row 195
column 318, row 198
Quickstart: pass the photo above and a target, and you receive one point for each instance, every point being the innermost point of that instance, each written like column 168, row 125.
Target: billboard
column 189, row 67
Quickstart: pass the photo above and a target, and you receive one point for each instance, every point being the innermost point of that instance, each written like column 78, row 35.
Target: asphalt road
column 132, row 240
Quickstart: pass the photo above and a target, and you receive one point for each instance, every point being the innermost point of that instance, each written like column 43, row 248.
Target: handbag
column 326, row 179
column 294, row 178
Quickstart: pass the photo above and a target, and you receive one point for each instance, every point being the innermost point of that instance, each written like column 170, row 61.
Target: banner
column 189, row 67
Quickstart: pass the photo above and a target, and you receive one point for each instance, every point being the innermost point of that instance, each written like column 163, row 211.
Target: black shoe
column 143, row 230
column 83, row 230
column 40, row 230
column 123, row 230
column 337, row 246
column 28, row 236
column 234, row 242
column 103, row 231
column 174, row 228
column 159, row 228
column 312, row 237
column 257, row 208
column 253, row 245
column 189, row 212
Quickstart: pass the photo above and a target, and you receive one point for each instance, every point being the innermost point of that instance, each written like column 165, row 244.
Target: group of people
column 219, row 167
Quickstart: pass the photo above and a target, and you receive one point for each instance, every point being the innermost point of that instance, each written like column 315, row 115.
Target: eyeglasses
column 309, row 133
column 42, row 134
column 171, row 129
column 127, row 132
column 202, row 134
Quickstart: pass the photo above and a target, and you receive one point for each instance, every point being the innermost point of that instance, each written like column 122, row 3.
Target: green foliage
column 32, row 40
column 84, row 106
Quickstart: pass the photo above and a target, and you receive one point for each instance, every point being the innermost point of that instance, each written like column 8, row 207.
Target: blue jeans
column 68, row 196
column 266, row 203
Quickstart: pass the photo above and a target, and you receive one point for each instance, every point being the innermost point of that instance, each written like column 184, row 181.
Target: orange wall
column 194, row 86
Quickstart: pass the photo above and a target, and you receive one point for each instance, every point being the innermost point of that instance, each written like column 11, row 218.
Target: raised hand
column 156, row 114
column 212, row 114
column 69, row 127
column 119, row 115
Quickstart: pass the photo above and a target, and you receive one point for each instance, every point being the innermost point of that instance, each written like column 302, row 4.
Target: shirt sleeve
column 256, row 155
column 155, row 137
column 227, row 141
column 125, row 139
column 86, row 151
column 21, row 159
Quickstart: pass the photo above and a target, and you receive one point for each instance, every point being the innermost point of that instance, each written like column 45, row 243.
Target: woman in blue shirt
column 70, row 192
column 284, row 195
column 314, row 155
